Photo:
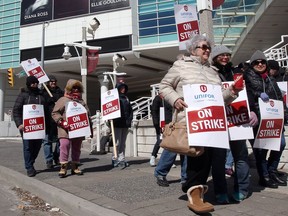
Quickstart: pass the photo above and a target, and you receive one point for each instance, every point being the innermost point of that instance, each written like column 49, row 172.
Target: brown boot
column 75, row 169
column 63, row 170
column 195, row 199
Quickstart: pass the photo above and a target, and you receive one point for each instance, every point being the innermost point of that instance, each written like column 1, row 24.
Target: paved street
column 131, row 191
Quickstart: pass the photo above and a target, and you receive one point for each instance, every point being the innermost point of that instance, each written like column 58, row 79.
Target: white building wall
column 112, row 24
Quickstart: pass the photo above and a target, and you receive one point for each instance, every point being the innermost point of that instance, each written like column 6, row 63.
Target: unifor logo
column 75, row 104
column 203, row 88
column 109, row 92
column 271, row 103
column 225, row 85
column 34, row 107
column 186, row 8
column 29, row 61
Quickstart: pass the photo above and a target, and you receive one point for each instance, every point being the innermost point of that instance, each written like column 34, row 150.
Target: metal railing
column 141, row 111
column 141, row 108
column 279, row 52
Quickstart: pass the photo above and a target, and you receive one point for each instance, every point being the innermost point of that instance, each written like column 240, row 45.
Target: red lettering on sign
column 186, row 29
column 209, row 119
column 237, row 113
column 270, row 128
column 78, row 121
column 110, row 107
column 33, row 124
column 37, row 72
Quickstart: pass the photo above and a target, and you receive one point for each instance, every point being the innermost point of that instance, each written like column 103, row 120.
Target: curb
column 67, row 202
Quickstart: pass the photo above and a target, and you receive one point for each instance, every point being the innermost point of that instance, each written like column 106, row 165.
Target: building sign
column 35, row 11
column 104, row 5
column 68, row 8
column 186, row 22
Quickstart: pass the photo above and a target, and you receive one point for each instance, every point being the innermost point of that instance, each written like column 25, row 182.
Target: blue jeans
column 263, row 165
column 241, row 179
column 49, row 154
column 31, row 150
column 165, row 163
column 229, row 159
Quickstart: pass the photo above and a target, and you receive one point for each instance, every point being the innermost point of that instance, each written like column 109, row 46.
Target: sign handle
column 113, row 139
column 47, row 90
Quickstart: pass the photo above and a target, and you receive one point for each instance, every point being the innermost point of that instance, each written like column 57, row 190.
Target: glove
column 64, row 124
column 264, row 97
column 253, row 120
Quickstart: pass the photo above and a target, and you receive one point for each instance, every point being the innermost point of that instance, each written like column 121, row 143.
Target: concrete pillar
column 205, row 18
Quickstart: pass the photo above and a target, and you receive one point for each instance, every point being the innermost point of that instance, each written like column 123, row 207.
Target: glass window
column 167, row 21
column 167, row 29
column 151, row 31
column 148, row 24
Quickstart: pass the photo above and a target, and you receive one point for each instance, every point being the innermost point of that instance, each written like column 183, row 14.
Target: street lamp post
column 84, row 64
column 94, row 24
column 117, row 58
column 44, row 26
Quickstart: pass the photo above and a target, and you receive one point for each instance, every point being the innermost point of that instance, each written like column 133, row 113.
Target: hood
column 71, row 83
column 120, row 85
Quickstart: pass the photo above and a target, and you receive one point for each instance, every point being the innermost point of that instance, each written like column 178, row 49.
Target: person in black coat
column 276, row 71
column 51, row 126
column 260, row 85
column 122, row 124
column 155, row 112
column 221, row 57
column 31, row 147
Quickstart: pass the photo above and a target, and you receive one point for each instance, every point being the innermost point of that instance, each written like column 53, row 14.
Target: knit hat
column 272, row 64
column 258, row 55
column 52, row 78
column 30, row 80
column 219, row 49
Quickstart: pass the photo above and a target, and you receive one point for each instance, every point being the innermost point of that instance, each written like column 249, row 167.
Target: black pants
column 198, row 169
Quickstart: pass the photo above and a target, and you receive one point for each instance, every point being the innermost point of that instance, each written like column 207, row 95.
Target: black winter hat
column 30, row 80
column 272, row 64
column 258, row 55
column 52, row 78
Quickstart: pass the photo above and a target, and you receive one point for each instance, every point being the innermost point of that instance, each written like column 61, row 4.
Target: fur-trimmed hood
column 71, row 83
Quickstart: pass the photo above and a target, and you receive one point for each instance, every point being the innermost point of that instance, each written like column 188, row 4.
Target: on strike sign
column 238, row 116
column 33, row 68
column 187, row 23
column 271, row 125
column 33, row 121
column 205, row 116
column 77, row 118
column 110, row 104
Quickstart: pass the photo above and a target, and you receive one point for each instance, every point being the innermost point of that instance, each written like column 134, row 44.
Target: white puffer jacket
column 190, row 71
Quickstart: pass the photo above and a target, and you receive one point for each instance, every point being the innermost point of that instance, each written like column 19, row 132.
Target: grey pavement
column 104, row 190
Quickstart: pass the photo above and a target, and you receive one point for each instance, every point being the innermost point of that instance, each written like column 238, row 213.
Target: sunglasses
column 258, row 62
column 224, row 55
column 76, row 87
column 204, row 47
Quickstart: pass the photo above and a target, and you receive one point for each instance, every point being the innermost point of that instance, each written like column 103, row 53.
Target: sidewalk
column 130, row 191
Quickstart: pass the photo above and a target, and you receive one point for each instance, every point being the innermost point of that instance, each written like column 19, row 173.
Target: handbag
column 175, row 139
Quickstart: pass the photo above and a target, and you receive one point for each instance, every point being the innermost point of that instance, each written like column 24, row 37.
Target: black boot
column 267, row 182
column 276, row 178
